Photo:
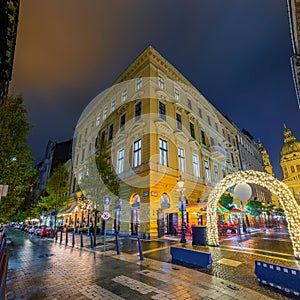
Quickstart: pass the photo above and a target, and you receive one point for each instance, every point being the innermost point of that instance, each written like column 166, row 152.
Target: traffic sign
column 105, row 216
column 106, row 200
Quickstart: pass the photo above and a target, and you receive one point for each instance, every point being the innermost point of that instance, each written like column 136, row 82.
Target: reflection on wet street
column 45, row 269
column 268, row 242
column 39, row 269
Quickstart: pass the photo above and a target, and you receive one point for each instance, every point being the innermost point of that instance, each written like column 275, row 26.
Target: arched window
column 298, row 168
column 164, row 200
column 292, row 169
column 135, row 200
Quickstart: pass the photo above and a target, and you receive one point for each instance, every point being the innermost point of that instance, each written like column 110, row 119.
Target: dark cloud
column 235, row 52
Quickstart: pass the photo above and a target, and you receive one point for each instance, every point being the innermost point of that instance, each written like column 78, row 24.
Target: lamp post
column 95, row 223
column 75, row 223
column 180, row 185
column 82, row 213
column 88, row 221
column 83, row 206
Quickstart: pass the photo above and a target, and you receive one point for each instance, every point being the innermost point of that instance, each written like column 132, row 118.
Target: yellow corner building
column 158, row 128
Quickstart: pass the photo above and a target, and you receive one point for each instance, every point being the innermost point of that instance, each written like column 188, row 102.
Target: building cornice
column 150, row 55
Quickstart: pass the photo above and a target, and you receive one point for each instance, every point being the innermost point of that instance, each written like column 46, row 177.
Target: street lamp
column 89, row 207
column 95, row 223
column 180, row 185
column 76, row 211
column 83, row 208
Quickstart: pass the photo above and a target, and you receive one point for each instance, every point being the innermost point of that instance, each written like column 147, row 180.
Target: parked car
column 36, row 230
column 46, row 232
column 32, row 229
column 23, row 227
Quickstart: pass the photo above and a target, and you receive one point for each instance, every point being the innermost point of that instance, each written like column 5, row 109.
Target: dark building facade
column 55, row 154
column 294, row 19
column 9, row 18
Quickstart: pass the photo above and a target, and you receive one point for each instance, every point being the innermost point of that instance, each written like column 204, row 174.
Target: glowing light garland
column 285, row 197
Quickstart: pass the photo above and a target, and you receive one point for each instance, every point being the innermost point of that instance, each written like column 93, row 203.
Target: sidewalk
column 46, row 269
column 230, row 264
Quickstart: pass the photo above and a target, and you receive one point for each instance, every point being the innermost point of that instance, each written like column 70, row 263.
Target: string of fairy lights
column 285, row 197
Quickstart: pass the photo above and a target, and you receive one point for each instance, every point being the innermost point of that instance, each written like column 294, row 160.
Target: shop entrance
column 135, row 214
column 172, row 223
column 135, row 221
column 161, row 223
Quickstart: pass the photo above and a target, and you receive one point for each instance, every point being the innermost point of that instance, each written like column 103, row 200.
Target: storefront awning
column 222, row 209
column 238, row 210
column 197, row 208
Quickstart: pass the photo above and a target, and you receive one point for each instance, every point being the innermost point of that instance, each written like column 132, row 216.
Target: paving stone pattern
column 49, row 270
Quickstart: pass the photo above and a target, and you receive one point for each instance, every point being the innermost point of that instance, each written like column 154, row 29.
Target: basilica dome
column 291, row 145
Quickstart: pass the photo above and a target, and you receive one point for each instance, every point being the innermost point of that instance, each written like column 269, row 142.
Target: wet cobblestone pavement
column 47, row 269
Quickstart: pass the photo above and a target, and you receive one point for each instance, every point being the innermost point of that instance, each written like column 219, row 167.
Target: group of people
column 225, row 227
column 187, row 228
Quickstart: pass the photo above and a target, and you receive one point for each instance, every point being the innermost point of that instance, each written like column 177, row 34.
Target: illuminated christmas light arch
column 285, row 197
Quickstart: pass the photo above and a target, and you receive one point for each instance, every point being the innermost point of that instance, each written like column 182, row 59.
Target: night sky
column 236, row 53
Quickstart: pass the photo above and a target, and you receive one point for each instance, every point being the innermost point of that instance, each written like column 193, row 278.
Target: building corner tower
column 268, row 169
column 290, row 163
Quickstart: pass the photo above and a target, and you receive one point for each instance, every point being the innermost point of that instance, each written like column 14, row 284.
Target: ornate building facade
column 251, row 159
column 294, row 18
column 290, row 163
column 158, row 128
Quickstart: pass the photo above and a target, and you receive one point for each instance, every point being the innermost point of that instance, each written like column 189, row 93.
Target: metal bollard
column 92, row 242
column 117, row 244
column 61, row 234
column 67, row 237
column 73, row 238
column 81, row 239
column 140, row 249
